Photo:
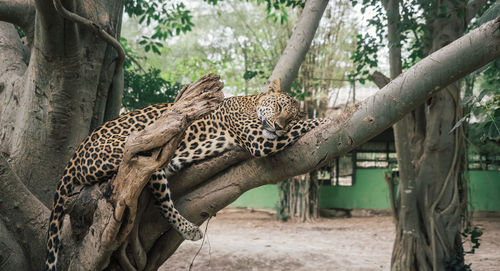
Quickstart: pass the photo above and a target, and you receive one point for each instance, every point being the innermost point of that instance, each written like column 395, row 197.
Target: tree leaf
column 458, row 124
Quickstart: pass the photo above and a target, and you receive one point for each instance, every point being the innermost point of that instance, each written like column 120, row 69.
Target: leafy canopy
column 165, row 20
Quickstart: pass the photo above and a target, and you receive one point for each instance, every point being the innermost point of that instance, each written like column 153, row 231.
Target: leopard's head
column 277, row 111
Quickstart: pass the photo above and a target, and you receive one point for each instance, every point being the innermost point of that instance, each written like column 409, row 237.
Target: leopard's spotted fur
column 262, row 124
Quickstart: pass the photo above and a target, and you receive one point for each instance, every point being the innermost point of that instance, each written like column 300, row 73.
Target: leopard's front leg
column 159, row 186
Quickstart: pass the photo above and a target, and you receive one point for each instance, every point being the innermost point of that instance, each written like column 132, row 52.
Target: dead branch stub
column 153, row 148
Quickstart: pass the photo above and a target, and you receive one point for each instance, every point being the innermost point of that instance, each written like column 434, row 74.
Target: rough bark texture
column 49, row 84
column 430, row 159
column 52, row 88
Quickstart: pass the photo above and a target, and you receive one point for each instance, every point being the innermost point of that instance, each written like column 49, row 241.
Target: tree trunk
column 430, row 160
column 298, row 199
column 54, row 90
column 51, row 89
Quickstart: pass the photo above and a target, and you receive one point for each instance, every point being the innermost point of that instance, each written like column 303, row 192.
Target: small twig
column 201, row 246
column 98, row 30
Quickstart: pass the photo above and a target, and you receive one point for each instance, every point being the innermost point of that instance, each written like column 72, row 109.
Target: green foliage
column 144, row 87
column 457, row 262
column 472, row 235
column 277, row 10
column 240, row 40
column 413, row 36
column 20, row 32
column 366, row 56
column 235, row 39
column 327, row 63
column 485, row 108
column 297, row 91
column 166, row 18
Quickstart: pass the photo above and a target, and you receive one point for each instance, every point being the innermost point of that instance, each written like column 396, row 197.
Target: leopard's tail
column 56, row 222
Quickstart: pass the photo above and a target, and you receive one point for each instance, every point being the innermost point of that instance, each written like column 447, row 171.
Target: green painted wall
column 370, row 191
column 265, row 197
column 484, row 190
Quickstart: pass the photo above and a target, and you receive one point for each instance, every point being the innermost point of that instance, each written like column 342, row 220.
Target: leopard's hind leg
column 159, row 186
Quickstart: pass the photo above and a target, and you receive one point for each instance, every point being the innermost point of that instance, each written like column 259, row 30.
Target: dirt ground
column 244, row 240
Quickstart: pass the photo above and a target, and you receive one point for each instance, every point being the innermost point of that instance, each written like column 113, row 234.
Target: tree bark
column 49, row 93
column 430, row 159
column 48, row 88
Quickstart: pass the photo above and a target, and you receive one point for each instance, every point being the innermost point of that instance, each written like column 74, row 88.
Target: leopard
column 261, row 124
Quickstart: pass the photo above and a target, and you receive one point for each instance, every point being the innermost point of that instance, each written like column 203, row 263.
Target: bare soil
column 246, row 240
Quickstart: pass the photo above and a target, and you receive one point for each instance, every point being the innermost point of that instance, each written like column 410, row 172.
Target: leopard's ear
column 274, row 86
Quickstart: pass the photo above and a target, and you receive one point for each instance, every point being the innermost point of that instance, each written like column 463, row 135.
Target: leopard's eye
column 279, row 108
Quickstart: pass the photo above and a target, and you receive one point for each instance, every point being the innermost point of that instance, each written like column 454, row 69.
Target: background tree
column 324, row 70
column 431, row 154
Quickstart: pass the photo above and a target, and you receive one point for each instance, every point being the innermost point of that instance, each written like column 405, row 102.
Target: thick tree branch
column 325, row 143
column 20, row 13
column 289, row 63
column 196, row 174
column 27, row 215
column 12, row 56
